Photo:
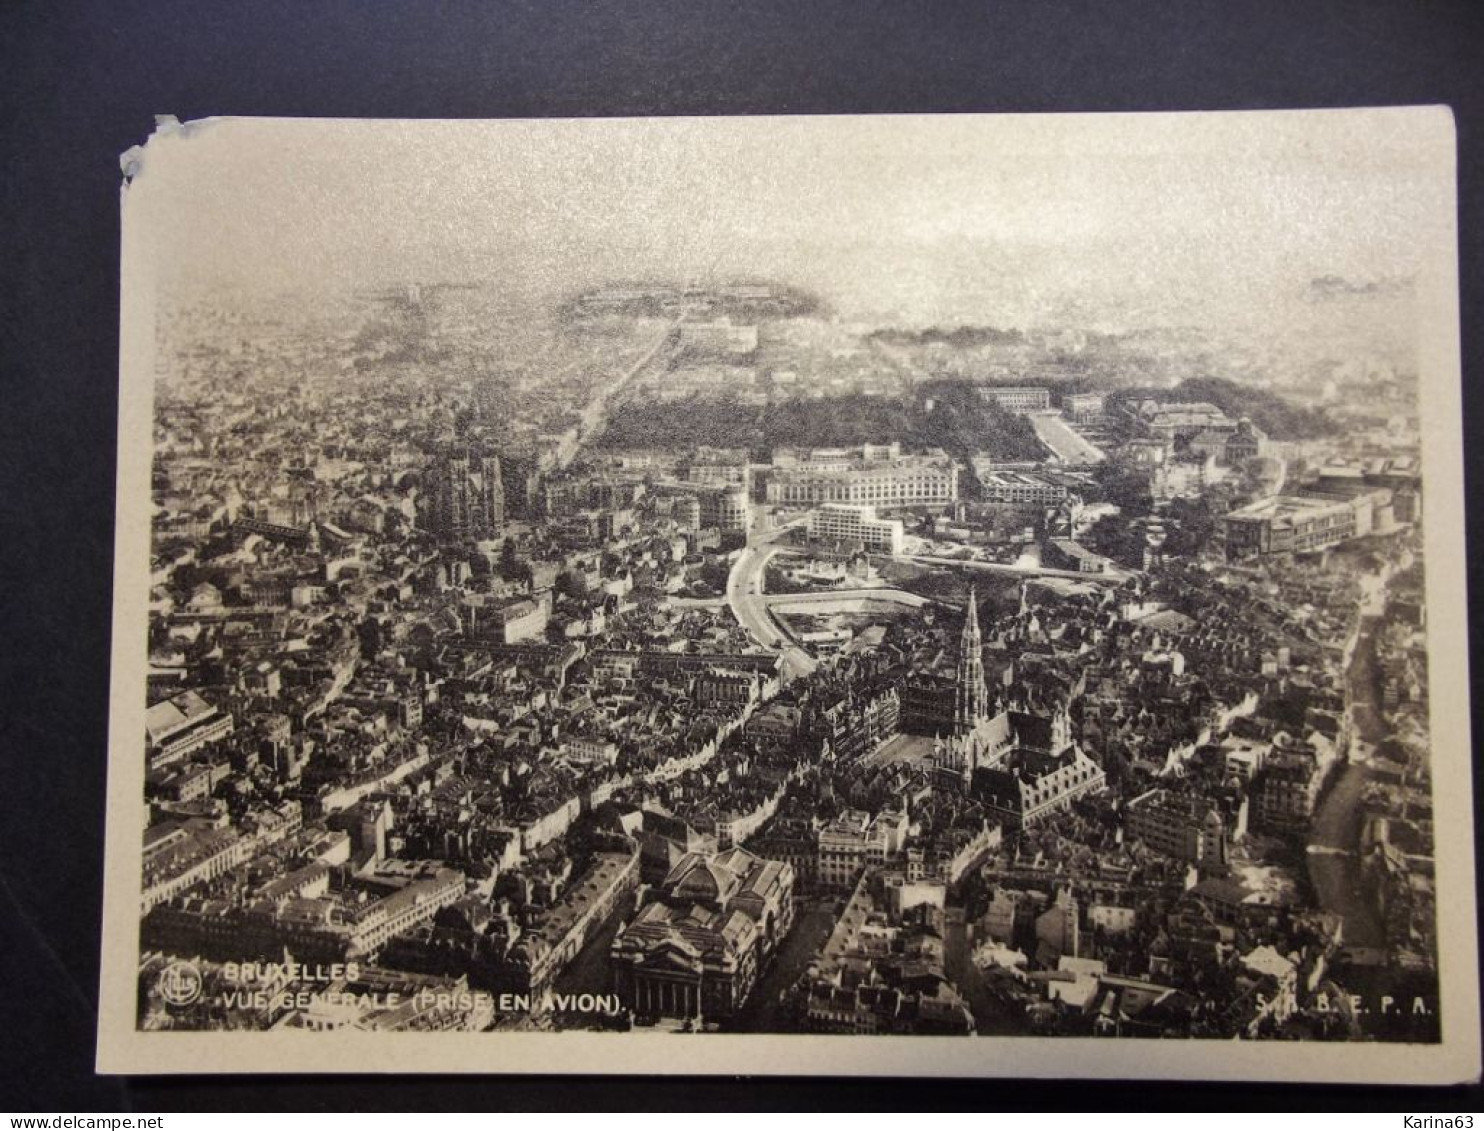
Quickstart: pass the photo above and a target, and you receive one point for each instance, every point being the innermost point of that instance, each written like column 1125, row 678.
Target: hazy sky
column 998, row 219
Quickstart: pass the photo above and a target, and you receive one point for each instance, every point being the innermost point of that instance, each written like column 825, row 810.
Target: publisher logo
column 180, row 983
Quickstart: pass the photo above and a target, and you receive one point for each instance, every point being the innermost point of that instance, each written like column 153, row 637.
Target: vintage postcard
column 861, row 595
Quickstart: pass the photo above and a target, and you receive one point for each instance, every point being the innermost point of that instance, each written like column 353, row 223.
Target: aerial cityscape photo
column 782, row 579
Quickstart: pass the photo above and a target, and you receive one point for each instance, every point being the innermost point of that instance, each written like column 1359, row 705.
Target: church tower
column 971, row 700
column 466, row 495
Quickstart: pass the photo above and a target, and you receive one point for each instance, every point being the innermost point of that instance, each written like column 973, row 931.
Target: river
column 1334, row 835
column 993, row 1017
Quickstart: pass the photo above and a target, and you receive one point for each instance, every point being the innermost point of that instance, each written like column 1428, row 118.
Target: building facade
column 836, row 523
column 1301, row 524
column 1285, row 791
column 1084, row 408
column 1018, row 399
column 864, row 477
column 467, row 498
column 1179, row 826
column 177, row 727
column 694, row 950
column 1022, row 488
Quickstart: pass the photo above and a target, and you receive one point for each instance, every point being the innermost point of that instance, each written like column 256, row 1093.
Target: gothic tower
column 467, row 497
column 971, row 700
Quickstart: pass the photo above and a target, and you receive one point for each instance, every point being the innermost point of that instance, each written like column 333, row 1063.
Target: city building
column 515, row 621
column 855, row 840
column 707, row 504
column 718, row 337
column 1064, row 553
column 1302, row 524
column 725, row 508
column 1084, row 408
column 1021, row 767
column 1247, row 441
column 1025, row 488
column 842, row 524
column 720, row 465
column 883, row 969
column 1019, row 399
column 179, row 726
column 178, row 855
column 871, row 475
column 1027, row 785
column 1179, row 825
column 466, row 497
column 928, row 703
column 1180, row 420
column 556, row 935
column 1285, row 789
column 1058, row 929
column 355, row 921
column 695, row 949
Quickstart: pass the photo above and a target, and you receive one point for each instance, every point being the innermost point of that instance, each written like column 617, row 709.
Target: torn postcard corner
column 131, row 161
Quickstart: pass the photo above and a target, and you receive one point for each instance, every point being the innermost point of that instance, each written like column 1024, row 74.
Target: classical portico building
column 695, row 949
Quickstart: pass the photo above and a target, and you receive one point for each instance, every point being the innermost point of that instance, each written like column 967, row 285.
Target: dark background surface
column 81, row 81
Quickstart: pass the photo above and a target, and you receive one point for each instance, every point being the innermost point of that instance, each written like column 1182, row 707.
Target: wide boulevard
column 750, row 607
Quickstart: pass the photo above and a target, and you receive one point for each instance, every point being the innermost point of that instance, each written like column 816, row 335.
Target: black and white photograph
column 915, row 594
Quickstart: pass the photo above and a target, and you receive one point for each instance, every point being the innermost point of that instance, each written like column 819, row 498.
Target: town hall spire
column 971, row 701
